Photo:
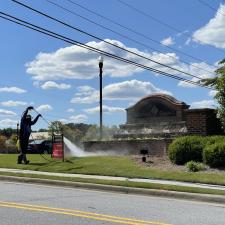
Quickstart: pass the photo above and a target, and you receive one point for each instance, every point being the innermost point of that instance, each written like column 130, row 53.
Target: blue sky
column 61, row 80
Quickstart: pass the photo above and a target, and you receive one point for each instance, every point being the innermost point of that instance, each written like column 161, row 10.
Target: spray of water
column 76, row 151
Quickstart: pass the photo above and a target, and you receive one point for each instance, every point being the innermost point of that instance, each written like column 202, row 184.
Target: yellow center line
column 79, row 213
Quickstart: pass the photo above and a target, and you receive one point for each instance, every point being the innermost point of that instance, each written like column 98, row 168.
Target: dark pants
column 23, row 147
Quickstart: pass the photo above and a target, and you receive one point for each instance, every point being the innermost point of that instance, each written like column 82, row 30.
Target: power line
column 136, row 32
column 93, row 36
column 158, row 21
column 73, row 42
column 211, row 7
column 124, row 36
column 149, row 16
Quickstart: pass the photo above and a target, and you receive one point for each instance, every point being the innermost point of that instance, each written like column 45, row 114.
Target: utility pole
column 100, row 90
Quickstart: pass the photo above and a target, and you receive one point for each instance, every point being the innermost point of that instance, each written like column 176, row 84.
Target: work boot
column 19, row 160
column 26, row 162
column 24, row 159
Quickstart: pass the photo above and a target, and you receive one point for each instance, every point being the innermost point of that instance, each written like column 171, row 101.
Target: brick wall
column 156, row 147
column 202, row 122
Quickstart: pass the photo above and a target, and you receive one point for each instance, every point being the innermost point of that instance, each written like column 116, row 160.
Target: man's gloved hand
column 30, row 108
column 39, row 115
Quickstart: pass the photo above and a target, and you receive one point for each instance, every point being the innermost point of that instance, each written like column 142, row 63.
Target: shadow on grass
column 68, row 161
column 73, row 169
column 39, row 164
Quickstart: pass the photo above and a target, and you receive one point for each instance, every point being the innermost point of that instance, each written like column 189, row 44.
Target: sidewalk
column 209, row 198
column 153, row 181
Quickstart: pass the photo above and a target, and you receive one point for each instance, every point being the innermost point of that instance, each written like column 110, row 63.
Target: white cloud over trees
column 203, row 104
column 126, row 90
column 53, row 85
column 105, row 108
column 4, row 112
column 44, row 108
column 11, row 103
column 13, row 90
column 168, row 41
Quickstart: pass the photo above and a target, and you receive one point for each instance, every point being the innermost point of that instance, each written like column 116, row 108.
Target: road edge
column 121, row 189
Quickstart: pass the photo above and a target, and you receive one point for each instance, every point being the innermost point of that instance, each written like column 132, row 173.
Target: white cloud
column 130, row 89
column 76, row 63
column 13, row 90
column 63, row 121
column 70, row 110
column 182, row 33
column 53, row 85
column 212, row 93
column 13, row 103
column 4, row 112
column 203, row 104
column 85, row 90
column 86, row 98
column 213, row 32
column 81, row 118
column 6, row 123
column 106, row 109
column 168, row 41
column 44, row 108
column 36, row 84
column 126, row 90
column 195, row 68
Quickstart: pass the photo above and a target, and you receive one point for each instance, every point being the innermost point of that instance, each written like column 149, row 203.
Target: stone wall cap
column 166, row 97
column 200, row 110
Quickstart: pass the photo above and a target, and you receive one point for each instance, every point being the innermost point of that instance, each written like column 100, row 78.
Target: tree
column 7, row 132
column 2, row 142
column 218, row 83
column 56, row 127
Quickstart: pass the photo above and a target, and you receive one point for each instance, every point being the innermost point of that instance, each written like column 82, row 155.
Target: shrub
column 214, row 155
column 185, row 149
column 195, row 166
column 214, row 139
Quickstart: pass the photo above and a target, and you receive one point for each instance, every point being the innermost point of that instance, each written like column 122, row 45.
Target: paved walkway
column 153, row 181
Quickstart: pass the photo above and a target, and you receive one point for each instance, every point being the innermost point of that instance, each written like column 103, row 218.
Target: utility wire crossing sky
column 153, row 47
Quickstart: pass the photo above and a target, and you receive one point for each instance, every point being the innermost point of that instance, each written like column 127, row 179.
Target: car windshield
column 34, row 142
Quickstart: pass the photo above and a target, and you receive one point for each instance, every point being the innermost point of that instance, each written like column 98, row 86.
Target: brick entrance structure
column 153, row 122
column 202, row 122
column 163, row 115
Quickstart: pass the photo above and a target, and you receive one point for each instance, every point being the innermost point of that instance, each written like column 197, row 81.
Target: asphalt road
column 27, row 204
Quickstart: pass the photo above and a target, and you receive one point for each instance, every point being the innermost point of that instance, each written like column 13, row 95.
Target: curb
column 120, row 189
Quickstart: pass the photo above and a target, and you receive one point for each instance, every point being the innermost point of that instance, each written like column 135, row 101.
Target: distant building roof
column 39, row 135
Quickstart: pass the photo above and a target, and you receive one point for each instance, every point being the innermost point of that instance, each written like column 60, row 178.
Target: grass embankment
column 112, row 166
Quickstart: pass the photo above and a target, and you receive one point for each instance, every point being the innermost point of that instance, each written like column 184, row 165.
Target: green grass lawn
column 108, row 165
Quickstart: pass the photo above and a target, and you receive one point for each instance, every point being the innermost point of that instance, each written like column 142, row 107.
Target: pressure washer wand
column 42, row 117
column 49, row 123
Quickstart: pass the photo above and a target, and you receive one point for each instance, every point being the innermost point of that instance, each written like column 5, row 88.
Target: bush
column 214, row 139
column 214, row 155
column 195, row 166
column 185, row 149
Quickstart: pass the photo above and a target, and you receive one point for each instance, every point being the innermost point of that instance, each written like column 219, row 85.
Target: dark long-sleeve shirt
column 25, row 126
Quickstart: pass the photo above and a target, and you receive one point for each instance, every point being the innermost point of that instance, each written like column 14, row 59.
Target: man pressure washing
column 25, row 131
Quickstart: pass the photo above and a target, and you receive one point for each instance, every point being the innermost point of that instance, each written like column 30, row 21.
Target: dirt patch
column 163, row 163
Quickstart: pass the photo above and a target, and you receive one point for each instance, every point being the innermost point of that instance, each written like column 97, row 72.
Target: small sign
column 58, row 146
column 57, row 150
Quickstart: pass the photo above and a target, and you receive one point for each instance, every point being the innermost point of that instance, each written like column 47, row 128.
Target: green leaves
column 218, row 83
